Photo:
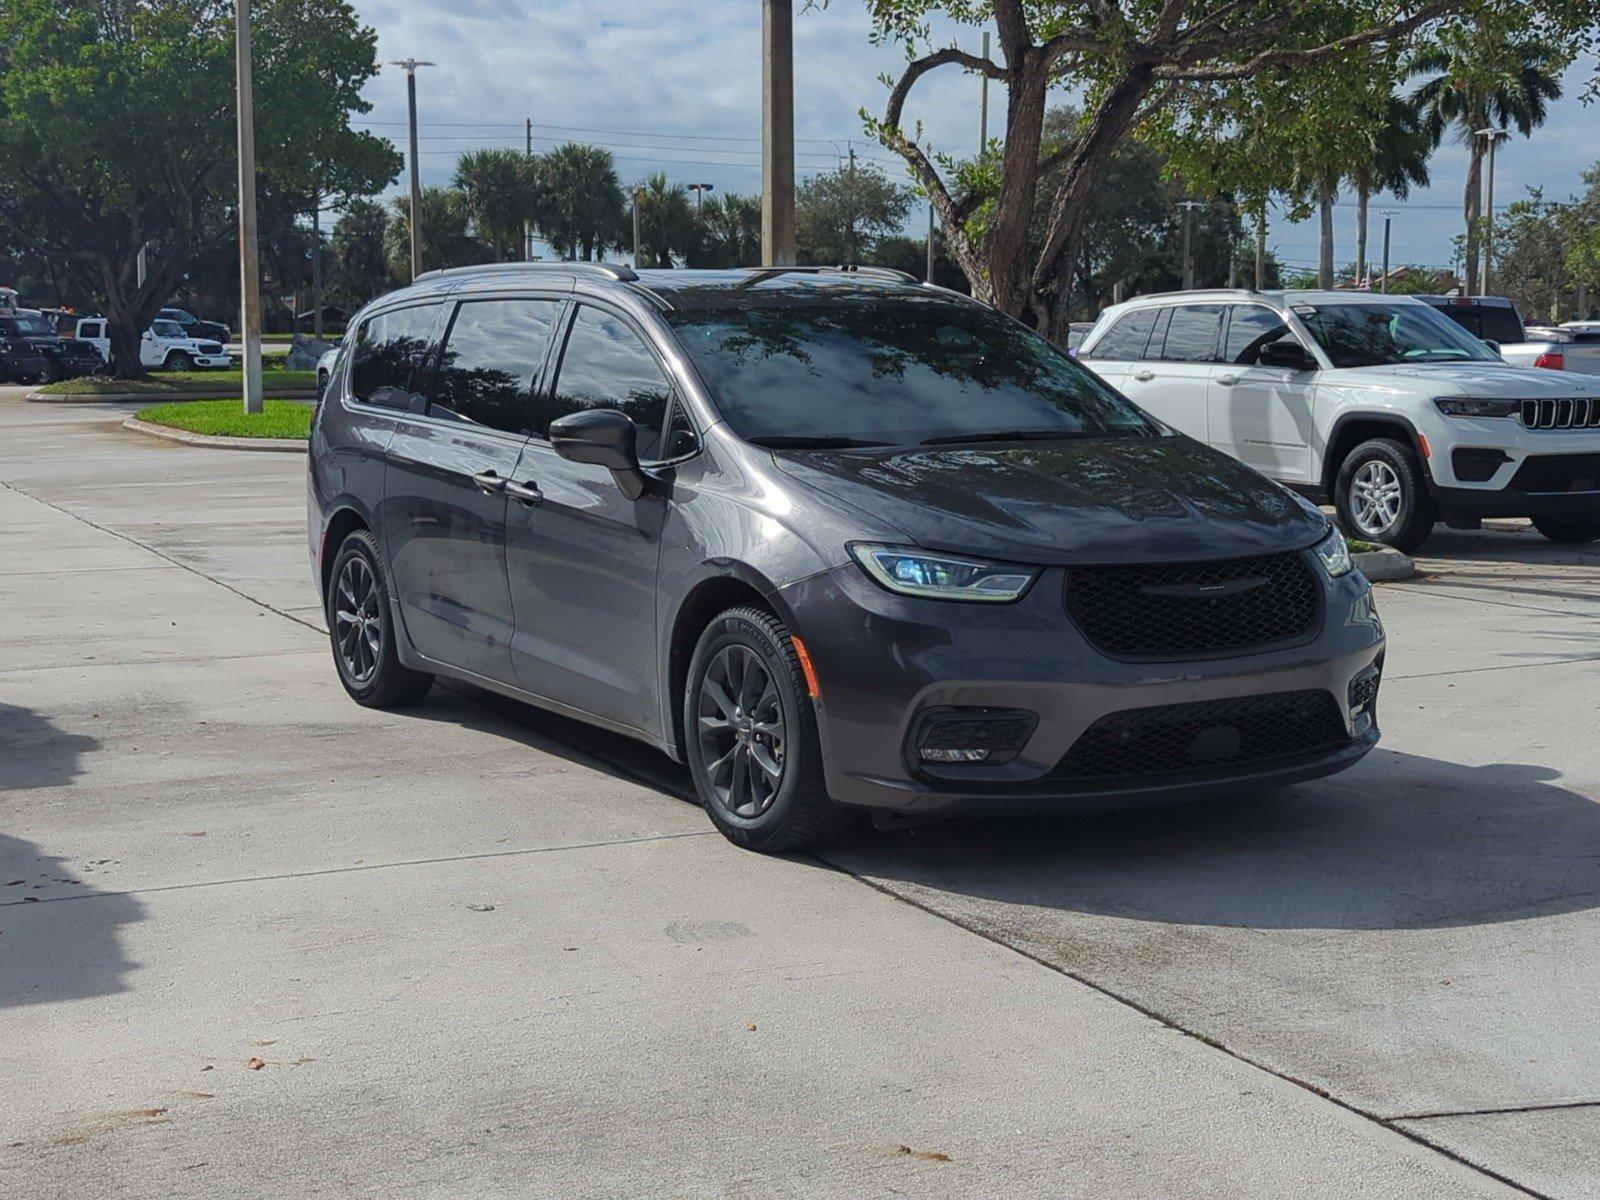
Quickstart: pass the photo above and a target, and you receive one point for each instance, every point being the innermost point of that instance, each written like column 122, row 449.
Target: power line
column 703, row 137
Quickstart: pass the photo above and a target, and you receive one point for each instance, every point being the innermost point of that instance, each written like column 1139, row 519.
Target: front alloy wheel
column 1375, row 498
column 742, row 738
column 1381, row 495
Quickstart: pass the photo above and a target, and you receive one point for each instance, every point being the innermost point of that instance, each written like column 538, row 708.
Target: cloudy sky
column 675, row 87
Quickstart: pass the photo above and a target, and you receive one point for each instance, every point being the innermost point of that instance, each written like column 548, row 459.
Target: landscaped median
column 275, row 381
column 281, row 425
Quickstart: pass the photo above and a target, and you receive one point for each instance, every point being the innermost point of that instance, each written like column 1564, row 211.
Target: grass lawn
column 169, row 382
column 227, row 418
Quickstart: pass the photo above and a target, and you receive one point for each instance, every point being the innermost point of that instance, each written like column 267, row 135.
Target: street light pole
column 411, row 65
column 1188, row 207
column 1495, row 136
column 1388, row 221
column 638, row 197
column 777, row 133
column 249, row 256
column 699, row 190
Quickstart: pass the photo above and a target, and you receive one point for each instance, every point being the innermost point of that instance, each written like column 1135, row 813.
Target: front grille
column 1206, row 736
column 1582, row 412
column 1558, row 473
column 1189, row 608
column 210, row 347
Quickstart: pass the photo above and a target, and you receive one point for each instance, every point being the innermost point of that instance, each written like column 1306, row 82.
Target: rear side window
column 1192, row 333
column 391, row 353
column 1500, row 325
column 491, row 360
column 1127, row 338
column 1250, row 327
column 606, row 365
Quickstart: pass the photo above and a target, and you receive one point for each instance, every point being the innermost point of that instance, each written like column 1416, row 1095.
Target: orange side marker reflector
column 805, row 665
column 1427, row 450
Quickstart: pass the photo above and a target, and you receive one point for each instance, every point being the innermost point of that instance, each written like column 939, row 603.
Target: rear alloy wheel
column 361, row 627
column 751, row 736
column 1571, row 531
column 1380, row 495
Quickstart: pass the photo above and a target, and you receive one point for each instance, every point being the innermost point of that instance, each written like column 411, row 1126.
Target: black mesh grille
column 1210, row 735
column 1558, row 473
column 1000, row 732
column 1183, row 608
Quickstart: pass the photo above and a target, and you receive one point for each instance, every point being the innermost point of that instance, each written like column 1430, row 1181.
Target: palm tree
column 1475, row 81
column 500, row 189
column 1396, row 160
column 730, row 230
column 666, row 221
column 581, row 207
column 444, row 241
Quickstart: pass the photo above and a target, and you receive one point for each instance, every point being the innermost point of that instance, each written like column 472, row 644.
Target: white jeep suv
column 1377, row 403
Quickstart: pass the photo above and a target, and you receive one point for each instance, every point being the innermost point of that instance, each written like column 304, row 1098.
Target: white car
column 166, row 344
column 1376, row 403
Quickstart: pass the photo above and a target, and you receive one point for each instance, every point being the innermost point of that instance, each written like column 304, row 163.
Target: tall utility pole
column 1388, row 222
column 638, row 197
column 777, row 133
column 411, row 65
column 1495, row 136
column 316, row 264
column 933, row 218
column 527, row 226
column 850, row 208
column 249, row 256
column 1188, row 207
column 983, row 105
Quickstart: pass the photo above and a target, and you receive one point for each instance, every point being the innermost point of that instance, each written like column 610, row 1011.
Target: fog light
column 972, row 735
column 1364, row 692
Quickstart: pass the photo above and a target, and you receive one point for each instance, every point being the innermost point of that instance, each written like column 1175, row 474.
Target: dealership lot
column 483, row 951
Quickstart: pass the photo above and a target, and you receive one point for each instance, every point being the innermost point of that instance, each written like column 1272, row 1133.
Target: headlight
column 941, row 577
column 1474, row 406
column 1335, row 554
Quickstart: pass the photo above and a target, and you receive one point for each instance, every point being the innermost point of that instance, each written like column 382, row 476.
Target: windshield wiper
column 812, row 442
column 1006, row 435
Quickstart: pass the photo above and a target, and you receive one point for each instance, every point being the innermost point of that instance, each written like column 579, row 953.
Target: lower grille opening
column 1558, row 473
column 1204, row 736
column 973, row 735
column 1477, row 464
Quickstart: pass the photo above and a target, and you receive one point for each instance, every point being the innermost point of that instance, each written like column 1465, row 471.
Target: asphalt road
column 480, row 951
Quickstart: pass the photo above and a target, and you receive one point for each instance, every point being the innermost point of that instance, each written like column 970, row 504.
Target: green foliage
column 443, row 241
column 666, row 222
column 582, row 209
column 840, row 215
column 358, row 262
column 501, row 192
column 729, row 231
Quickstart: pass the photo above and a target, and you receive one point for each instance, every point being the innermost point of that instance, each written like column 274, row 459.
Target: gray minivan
column 836, row 539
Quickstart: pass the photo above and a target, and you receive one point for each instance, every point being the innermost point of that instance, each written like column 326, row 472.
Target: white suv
column 1377, row 403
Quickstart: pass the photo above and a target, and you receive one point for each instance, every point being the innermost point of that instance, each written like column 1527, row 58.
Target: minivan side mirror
column 606, row 438
column 1286, row 353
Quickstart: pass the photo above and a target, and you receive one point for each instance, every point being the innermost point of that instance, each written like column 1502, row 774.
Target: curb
column 271, row 445
column 1385, row 566
column 152, row 397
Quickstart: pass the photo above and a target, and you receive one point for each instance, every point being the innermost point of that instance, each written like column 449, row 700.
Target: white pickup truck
column 165, row 345
column 1496, row 320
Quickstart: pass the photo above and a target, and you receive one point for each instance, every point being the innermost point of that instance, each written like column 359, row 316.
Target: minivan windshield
column 1374, row 335
column 880, row 369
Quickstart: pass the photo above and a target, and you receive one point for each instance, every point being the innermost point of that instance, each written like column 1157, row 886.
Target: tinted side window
column 1192, row 334
column 1500, row 325
column 390, row 351
column 1250, row 327
column 1128, row 337
column 491, row 359
column 605, row 365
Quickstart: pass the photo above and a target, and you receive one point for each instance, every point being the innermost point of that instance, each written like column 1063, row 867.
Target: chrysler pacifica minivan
column 835, row 539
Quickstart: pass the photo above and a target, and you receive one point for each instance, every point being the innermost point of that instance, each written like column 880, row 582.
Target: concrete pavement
column 484, row 951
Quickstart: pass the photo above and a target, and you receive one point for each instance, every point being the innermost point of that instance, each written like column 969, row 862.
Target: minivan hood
column 1090, row 501
column 1472, row 379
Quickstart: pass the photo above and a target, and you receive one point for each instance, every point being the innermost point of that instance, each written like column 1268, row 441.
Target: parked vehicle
column 325, row 366
column 1495, row 319
column 167, row 345
column 20, row 360
column 194, row 327
column 48, row 355
column 832, row 537
column 1379, row 403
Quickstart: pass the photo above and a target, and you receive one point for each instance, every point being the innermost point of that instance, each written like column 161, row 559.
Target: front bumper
column 1537, row 472
column 883, row 660
column 213, row 360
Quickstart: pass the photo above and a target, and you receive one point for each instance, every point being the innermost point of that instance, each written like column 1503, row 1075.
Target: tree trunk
column 1325, row 193
column 1006, row 244
column 1261, row 249
column 1471, row 206
column 1363, row 195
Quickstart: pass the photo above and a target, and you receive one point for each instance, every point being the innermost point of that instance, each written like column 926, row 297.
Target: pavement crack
column 1513, row 1110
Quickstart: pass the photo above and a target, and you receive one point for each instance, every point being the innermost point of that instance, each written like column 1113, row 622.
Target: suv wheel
column 179, row 361
column 1574, row 531
column 1380, row 495
column 751, row 736
column 361, row 627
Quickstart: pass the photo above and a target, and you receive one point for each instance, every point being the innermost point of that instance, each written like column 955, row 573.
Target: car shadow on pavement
column 59, row 936
column 1400, row 842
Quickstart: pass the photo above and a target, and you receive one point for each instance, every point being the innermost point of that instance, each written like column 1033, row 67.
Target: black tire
column 388, row 683
column 51, row 372
column 322, row 383
column 1413, row 515
column 799, row 813
column 1569, row 531
column 179, row 361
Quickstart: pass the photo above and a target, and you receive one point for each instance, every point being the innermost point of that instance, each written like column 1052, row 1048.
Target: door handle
column 528, row 493
column 1144, row 376
column 489, row 482
column 1227, row 380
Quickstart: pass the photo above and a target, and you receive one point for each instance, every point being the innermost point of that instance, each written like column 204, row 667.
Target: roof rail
column 613, row 271
column 889, row 273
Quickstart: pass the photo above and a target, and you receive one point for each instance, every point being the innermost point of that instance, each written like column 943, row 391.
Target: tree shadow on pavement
column 58, row 936
column 1400, row 842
